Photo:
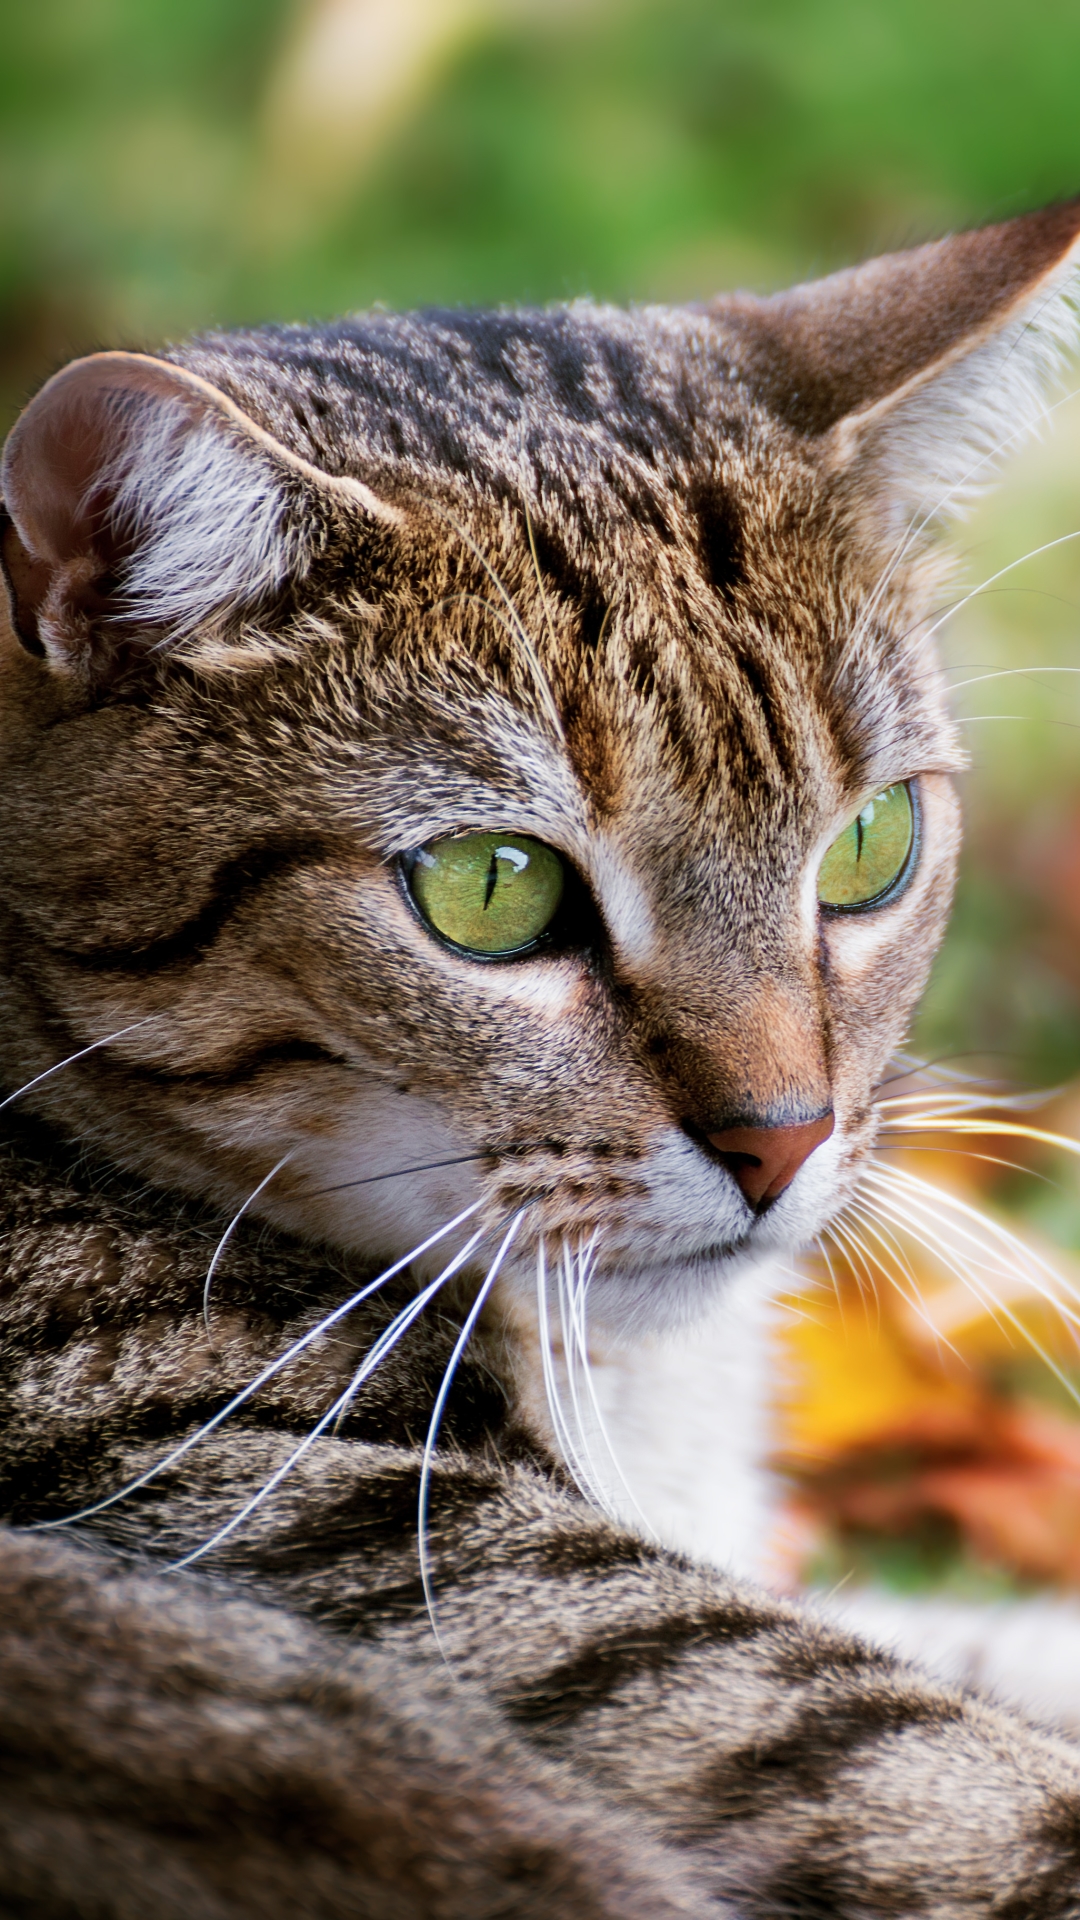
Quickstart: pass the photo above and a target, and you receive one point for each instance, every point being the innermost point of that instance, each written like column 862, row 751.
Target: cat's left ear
column 910, row 372
column 143, row 508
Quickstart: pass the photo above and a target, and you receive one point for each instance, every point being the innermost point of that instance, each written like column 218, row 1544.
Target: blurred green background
column 169, row 165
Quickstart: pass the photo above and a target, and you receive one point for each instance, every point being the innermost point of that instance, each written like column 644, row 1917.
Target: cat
column 478, row 819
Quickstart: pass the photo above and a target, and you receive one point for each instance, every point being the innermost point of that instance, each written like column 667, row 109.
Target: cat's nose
column 765, row 1160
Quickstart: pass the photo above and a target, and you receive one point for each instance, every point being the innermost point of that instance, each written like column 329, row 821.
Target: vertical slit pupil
column 492, row 879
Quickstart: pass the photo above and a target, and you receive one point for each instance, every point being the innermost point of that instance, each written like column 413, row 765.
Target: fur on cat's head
column 651, row 587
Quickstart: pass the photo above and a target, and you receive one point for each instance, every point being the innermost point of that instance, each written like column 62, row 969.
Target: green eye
column 871, row 854
column 490, row 893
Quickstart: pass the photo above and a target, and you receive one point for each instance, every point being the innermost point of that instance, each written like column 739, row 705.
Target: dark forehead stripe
column 721, row 535
column 770, row 702
column 647, row 475
column 589, row 392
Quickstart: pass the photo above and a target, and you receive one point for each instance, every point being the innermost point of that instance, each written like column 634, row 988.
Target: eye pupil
column 487, row 893
column 870, row 857
column 492, row 880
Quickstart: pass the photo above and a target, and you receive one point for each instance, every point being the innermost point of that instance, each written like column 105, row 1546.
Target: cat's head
column 502, row 753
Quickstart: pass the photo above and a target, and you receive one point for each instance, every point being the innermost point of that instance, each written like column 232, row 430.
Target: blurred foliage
column 626, row 148
column 154, row 178
column 929, row 1376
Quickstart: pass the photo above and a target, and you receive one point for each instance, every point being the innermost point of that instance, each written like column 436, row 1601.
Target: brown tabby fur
column 285, row 605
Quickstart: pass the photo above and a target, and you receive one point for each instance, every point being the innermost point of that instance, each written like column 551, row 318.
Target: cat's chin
column 660, row 1294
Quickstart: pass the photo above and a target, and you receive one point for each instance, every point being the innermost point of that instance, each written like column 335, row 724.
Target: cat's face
column 657, row 634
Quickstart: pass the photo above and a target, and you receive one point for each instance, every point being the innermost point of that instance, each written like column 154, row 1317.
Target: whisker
column 899, row 1184
column 942, row 1102
column 917, row 1208
column 855, row 1255
column 973, row 1127
column 939, row 1066
column 570, row 1337
column 1008, row 673
column 72, row 1057
column 586, row 1271
column 386, row 1341
column 563, row 1434
column 908, row 1286
column 959, row 1153
column 399, row 1173
column 401, row 1323
column 227, row 1236
column 578, row 1276
column 437, row 1411
column 824, row 1252
column 268, row 1372
column 1032, row 554
column 988, row 1299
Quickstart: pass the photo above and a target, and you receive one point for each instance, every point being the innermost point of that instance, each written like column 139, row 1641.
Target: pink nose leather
column 765, row 1160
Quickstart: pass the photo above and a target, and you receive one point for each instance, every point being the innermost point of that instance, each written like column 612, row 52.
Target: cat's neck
column 687, row 1416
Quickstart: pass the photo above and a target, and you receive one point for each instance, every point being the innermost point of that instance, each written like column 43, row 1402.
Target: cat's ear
column 912, row 370
column 144, row 508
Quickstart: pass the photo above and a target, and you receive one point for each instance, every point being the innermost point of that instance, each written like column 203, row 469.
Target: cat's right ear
column 144, row 508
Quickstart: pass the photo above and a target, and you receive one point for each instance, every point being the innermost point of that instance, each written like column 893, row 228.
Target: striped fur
column 768, row 1760
column 285, row 605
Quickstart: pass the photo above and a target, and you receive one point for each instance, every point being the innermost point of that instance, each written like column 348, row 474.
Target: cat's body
column 164, row 1744
column 300, row 617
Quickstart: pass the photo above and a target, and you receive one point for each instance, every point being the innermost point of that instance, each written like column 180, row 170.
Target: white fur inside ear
column 206, row 515
column 929, row 451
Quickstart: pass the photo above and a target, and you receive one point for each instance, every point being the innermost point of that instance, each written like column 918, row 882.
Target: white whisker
column 563, row 1434
column 383, row 1345
column 568, row 1320
column 267, row 1373
column 1032, row 554
column 1007, row 673
column 227, row 1236
column 974, row 1254
column 574, row 1438
column 862, row 1271
column 908, row 1285
column 437, row 1411
column 72, row 1057
column 595, row 1407
column 831, row 1271
column 921, row 519
column 391, row 1334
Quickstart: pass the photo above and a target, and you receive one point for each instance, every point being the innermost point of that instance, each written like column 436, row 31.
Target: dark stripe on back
column 606, row 1664
column 379, row 1513
column 809, row 1890
column 815, row 1746
column 591, row 1550
column 1053, row 1891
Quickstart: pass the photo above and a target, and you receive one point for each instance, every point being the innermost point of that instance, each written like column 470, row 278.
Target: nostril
column 765, row 1159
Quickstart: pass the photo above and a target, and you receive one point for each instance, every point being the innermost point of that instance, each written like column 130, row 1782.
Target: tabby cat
column 477, row 820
